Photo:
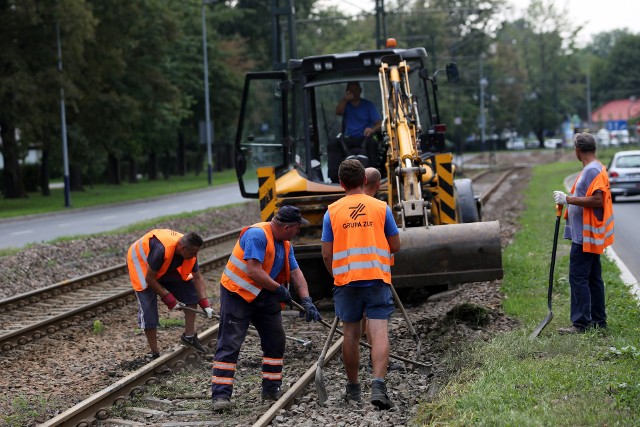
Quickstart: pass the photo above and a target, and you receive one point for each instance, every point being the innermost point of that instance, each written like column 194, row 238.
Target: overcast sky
column 597, row 16
column 594, row 15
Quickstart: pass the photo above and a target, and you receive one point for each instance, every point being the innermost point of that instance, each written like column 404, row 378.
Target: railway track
column 34, row 315
column 97, row 409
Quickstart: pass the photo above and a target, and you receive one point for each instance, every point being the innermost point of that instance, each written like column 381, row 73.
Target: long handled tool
column 367, row 345
column 322, row 391
column 304, row 343
column 412, row 331
column 547, row 319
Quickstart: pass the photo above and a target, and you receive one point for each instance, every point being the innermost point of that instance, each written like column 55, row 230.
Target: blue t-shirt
column 390, row 229
column 357, row 119
column 573, row 227
column 254, row 244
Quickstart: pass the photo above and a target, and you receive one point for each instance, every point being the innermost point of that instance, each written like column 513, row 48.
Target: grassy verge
column 582, row 380
column 106, row 194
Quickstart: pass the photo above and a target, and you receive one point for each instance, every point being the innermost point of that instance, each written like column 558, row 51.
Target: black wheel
column 466, row 201
column 613, row 198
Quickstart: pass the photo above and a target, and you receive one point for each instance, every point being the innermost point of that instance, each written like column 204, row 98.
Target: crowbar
column 304, row 343
column 366, row 344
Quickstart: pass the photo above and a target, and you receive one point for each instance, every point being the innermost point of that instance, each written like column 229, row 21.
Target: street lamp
column 209, row 124
column 632, row 100
column 63, row 118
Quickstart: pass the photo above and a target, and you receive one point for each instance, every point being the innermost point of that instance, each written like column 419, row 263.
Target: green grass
column 106, row 194
column 583, row 380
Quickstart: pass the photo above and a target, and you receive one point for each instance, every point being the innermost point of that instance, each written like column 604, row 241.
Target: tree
column 29, row 80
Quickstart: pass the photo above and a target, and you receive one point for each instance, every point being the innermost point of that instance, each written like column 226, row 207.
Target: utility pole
column 381, row 25
column 483, row 82
column 209, row 125
column 589, row 99
column 63, row 118
column 279, row 54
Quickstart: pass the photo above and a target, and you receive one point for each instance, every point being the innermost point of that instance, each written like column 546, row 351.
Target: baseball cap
column 290, row 215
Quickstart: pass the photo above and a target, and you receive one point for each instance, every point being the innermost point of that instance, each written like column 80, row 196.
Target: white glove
column 560, row 198
column 209, row 312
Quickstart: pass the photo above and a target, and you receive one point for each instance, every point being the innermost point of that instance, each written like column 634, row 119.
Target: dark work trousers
column 587, row 289
column 265, row 314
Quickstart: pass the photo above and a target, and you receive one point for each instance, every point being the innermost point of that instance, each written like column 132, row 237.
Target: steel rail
column 486, row 195
column 97, row 406
column 34, row 324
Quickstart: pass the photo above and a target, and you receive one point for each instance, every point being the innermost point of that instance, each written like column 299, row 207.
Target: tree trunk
column 153, row 165
column 181, row 156
column 11, row 174
column 75, row 177
column 113, row 170
column 44, row 172
column 132, row 170
column 166, row 165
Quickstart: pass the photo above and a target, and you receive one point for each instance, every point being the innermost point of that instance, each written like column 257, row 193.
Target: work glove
column 204, row 304
column 282, row 294
column 169, row 300
column 312, row 312
column 560, row 198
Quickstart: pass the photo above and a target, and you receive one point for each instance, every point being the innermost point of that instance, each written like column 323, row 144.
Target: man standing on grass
column 589, row 226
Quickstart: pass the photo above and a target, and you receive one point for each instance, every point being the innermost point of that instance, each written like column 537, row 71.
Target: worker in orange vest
column 589, row 226
column 163, row 263
column 359, row 236
column 253, row 289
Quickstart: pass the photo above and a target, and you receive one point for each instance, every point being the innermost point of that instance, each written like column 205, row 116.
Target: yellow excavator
column 289, row 143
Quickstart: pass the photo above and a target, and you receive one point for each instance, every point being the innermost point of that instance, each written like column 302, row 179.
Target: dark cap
column 290, row 215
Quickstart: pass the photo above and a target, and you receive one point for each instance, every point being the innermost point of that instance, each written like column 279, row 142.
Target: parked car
column 553, row 143
column 603, row 138
column 624, row 173
column 515, row 144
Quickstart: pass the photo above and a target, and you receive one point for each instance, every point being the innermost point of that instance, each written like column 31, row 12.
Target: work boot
column 571, row 330
column 193, row 342
column 352, row 392
column 379, row 396
column 272, row 395
column 222, row 404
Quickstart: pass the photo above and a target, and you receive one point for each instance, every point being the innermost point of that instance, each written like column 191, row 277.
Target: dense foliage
column 132, row 74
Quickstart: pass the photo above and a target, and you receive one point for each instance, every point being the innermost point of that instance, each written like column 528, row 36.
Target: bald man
column 372, row 182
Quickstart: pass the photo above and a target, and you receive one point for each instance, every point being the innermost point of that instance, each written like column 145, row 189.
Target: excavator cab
column 288, row 148
column 289, row 122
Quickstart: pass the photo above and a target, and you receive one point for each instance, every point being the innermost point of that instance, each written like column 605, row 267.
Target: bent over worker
column 359, row 235
column 163, row 263
column 253, row 288
column 589, row 226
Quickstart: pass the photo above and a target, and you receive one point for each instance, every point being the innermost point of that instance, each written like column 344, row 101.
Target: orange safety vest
column 138, row 252
column 596, row 234
column 360, row 248
column 235, row 277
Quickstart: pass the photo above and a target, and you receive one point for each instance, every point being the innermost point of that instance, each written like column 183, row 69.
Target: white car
column 603, row 138
column 624, row 173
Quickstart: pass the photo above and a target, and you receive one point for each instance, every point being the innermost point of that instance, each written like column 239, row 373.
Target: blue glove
column 283, row 295
column 312, row 312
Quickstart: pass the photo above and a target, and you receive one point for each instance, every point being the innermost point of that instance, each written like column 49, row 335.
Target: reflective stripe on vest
column 597, row 234
column 139, row 250
column 235, row 277
column 360, row 248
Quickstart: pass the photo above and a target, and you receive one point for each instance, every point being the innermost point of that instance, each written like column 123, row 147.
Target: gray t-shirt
column 573, row 228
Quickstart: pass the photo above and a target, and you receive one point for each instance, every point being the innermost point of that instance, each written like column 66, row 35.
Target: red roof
column 618, row 109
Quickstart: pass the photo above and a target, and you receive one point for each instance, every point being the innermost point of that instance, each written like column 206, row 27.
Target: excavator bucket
column 448, row 254
column 437, row 256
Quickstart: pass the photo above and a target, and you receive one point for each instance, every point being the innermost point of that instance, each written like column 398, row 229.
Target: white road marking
column 17, row 233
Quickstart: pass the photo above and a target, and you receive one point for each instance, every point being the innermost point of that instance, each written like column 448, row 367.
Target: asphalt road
column 18, row 232
column 627, row 233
